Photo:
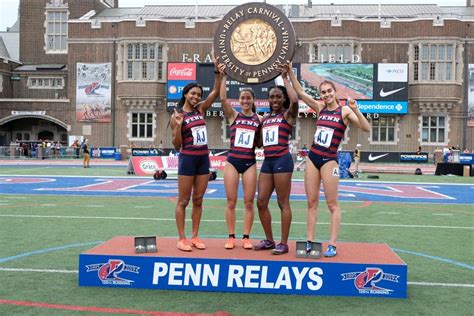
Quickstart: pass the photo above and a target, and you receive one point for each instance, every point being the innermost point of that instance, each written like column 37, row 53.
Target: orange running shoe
column 196, row 242
column 247, row 244
column 230, row 244
column 183, row 245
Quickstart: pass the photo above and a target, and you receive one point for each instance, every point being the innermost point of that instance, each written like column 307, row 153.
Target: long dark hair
column 286, row 103
column 189, row 86
column 250, row 90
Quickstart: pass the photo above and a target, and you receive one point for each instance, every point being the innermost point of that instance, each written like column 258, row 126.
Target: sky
column 9, row 8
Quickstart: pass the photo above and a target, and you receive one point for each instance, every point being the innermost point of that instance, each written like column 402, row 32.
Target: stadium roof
column 360, row 11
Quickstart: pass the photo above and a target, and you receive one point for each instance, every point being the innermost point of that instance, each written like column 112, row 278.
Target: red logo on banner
column 182, row 71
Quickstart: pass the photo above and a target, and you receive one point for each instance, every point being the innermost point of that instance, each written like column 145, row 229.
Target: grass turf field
column 435, row 240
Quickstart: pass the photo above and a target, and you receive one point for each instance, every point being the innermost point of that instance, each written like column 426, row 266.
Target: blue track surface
column 348, row 190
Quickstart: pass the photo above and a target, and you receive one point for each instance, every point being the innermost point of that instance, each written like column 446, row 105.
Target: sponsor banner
column 364, row 82
column 390, row 91
column 145, row 152
column 392, row 72
column 248, row 276
column 205, row 76
column 145, row 166
column 259, row 155
column 93, row 92
column 182, row 71
column 103, row 152
column 383, row 107
column 414, row 157
column 148, row 165
column 466, row 159
column 175, row 89
column 379, row 156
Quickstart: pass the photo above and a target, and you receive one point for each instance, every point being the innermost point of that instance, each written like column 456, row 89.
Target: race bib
column 244, row 138
column 323, row 136
column 270, row 135
column 199, row 135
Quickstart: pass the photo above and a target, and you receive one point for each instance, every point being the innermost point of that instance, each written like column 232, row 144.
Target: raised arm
column 306, row 98
column 176, row 121
column 292, row 113
column 229, row 112
column 211, row 98
column 356, row 117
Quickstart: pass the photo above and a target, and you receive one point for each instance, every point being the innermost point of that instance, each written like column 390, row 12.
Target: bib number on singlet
column 323, row 136
column 244, row 138
column 199, row 135
column 270, row 135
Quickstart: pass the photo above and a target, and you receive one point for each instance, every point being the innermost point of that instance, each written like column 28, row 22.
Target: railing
column 12, row 152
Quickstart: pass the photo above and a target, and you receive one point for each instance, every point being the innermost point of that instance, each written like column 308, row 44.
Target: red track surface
column 347, row 252
column 96, row 309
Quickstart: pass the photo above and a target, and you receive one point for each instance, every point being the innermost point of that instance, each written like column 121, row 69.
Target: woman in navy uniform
column 277, row 167
column 244, row 137
column 322, row 164
column 190, row 138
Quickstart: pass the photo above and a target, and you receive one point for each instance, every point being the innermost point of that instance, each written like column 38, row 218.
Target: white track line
column 38, row 270
column 441, row 284
column 76, row 271
column 222, row 221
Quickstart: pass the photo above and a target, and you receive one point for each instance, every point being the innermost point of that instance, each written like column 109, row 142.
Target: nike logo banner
column 384, row 94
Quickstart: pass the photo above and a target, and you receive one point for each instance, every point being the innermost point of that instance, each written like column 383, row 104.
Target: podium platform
column 359, row 269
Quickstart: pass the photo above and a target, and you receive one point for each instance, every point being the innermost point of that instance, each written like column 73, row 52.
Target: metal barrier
column 16, row 152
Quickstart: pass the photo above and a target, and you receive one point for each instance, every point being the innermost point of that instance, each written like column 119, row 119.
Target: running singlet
column 243, row 131
column 330, row 130
column 194, row 134
column 276, row 133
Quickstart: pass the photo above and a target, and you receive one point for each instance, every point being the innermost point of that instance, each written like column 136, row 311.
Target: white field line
column 221, row 221
column 76, row 271
column 441, row 284
column 441, row 214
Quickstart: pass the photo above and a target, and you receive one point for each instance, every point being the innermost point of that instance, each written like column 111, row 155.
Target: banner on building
column 378, row 88
column 93, row 93
column 470, row 106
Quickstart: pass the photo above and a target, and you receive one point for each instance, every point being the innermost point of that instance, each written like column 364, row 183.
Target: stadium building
column 89, row 68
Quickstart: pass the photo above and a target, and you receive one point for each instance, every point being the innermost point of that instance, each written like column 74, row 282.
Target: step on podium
column 359, row 269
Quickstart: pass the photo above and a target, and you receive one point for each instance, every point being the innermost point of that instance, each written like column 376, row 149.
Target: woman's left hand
column 352, row 104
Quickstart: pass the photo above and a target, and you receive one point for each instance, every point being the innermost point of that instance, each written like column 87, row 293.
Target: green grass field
column 416, row 231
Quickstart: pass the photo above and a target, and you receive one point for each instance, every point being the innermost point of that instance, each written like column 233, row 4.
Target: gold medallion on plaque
column 252, row 40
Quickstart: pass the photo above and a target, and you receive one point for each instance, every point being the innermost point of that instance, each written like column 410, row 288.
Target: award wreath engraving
column 252, row 40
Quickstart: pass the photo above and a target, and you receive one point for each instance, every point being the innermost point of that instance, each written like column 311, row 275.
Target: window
column 433, row 129
column 336, row 53
column 383, row 129
column 143, row 61
column 434, row 62
column 45, row 83
column 142, row 125
column 56, row 31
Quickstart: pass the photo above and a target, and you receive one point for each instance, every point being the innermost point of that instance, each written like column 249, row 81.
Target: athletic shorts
column 189, row 165
column 241, row 165
column 319, row 161
column 280, row 164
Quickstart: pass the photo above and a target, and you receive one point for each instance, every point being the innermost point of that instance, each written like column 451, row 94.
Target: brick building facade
column 437, row 44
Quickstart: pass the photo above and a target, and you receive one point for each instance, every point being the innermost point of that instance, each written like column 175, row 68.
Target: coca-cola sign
column 181, row 71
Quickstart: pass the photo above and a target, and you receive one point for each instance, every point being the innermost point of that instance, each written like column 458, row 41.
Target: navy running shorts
column 189, row 165
column 241, row 165
column 280, row 164
column 319, row 161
